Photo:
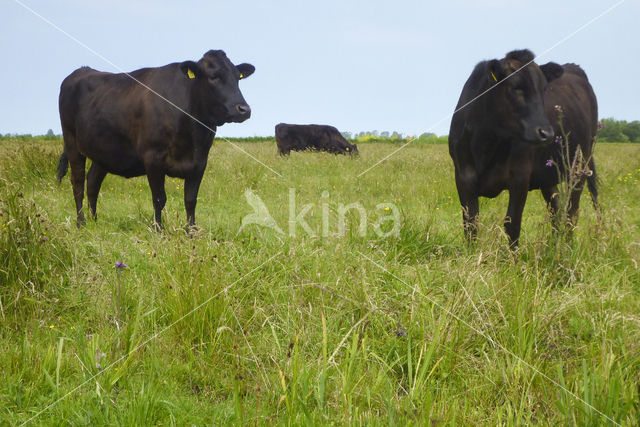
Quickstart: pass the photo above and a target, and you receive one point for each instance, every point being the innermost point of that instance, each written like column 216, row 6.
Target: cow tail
column 63, row 165
column 592, row 183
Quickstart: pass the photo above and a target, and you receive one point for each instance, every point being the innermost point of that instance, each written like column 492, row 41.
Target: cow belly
column 126, row 167
column 543, row 179
column 129, row 169
column 492, row 184
column 491, row 192
column 117, row 160
column 488, row 184
column 185, row 167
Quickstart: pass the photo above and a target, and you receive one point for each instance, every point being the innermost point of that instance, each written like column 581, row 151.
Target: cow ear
column 496, row 72
column 190, row 69
column 552, row 70
column 245, row 70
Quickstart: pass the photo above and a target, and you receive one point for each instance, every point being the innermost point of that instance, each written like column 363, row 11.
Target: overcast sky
column 358, row 65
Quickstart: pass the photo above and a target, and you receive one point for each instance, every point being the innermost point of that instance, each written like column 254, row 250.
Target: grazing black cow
column 503, row 135
column 118, row 122
column 312, row 137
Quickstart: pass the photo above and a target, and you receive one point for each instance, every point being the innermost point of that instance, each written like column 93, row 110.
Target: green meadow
column 400, row 324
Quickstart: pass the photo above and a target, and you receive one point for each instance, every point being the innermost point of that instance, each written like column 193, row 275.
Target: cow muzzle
column 243, row 109
column 539, row 134
column 241, row 113
column 545, row 133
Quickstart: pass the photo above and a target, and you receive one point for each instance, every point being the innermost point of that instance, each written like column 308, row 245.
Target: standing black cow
column 126, row 129
column 502, row 135
column 312, row 137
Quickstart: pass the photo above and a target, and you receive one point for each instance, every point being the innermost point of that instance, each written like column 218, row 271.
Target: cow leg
column 78, row 163
column 156, row 183
column 574, row 204
column 95, row 176
column 470, row 210
column 550, row 195
column 191, row 187
column 513, row 220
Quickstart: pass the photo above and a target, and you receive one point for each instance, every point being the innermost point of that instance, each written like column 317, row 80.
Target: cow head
column 517, row 100
column 343, row 146
column 216, row 82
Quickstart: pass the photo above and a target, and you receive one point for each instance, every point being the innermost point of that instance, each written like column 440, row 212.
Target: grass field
column 257, row 327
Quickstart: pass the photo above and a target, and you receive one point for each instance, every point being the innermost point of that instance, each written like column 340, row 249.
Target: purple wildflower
column 120, row 264
column 549, row 163
column 558, row 139
column 400, row 332
column 601, row 125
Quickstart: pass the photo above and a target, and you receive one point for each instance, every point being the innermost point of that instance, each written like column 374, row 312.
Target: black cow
column 503, row 135
column 312, row 137
column 122, row 123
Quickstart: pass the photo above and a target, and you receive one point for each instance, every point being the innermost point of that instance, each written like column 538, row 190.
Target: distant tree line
column 27, row 136
column 388, row 136
column 612, row 130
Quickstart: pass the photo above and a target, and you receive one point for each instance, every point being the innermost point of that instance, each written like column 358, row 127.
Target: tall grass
column 256, row 327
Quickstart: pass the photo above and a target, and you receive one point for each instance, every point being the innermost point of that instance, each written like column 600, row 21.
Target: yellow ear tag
column 494, row 77
column 190, row 74
column 241, row 75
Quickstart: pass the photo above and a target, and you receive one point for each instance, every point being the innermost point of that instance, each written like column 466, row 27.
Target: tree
column 632, row 131
column 426, row 135
column 612, row 131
